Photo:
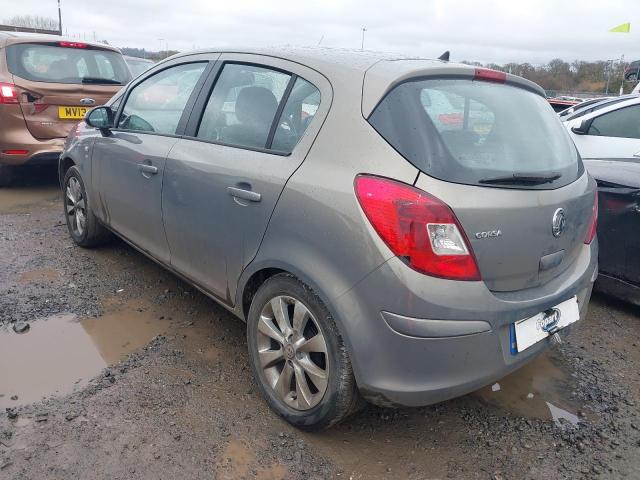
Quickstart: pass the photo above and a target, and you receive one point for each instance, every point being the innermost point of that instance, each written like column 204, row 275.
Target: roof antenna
column 444, row 57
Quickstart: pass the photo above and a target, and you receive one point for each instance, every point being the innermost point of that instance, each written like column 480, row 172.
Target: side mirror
column 583, row 128
column 101, row 118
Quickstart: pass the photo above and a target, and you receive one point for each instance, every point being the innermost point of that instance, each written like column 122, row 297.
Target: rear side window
column 156, row 104
column 299, row 111
column 243, row 105
column 53, row 63
column 624, row 123
column 466, row 131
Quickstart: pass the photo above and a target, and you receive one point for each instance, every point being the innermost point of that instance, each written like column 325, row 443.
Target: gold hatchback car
column 47, row 83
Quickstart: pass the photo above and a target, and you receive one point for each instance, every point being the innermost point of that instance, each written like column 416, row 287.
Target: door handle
column 146, row 168
column 244, row 194
column 637, row 154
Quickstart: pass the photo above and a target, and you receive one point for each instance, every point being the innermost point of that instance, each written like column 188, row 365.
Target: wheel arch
column 64, row 165
column 259, row 272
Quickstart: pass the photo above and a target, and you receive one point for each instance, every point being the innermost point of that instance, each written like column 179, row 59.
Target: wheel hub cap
column 292, row 352
column 289, row 352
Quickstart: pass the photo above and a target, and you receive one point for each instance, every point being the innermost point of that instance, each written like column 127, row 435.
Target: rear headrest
column 256, row 105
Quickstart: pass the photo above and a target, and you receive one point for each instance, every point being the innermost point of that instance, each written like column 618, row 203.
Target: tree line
column 577, row 76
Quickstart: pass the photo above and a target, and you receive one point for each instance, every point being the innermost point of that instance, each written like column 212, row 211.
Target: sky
column 497, row 31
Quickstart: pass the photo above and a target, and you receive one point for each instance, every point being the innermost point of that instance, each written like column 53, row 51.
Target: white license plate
column 531, row 330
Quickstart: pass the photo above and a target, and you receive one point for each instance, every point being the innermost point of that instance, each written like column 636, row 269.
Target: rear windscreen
column 56, row 64
column 467, row 131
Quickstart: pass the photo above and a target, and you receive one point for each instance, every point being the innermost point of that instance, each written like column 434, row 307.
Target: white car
column 611, row 132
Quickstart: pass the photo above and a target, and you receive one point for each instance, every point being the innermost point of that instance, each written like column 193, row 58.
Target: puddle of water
column 62, row 353
column 13, row 200
column 38, row 275
column 540, row 389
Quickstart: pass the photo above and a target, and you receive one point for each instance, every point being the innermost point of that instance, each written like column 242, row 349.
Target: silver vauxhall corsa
column 397, row 230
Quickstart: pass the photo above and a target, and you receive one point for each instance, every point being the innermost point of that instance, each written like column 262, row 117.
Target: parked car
column 47, row 83
column 374, row 247
column 631, row 71
column 582, row 109
column 609, row 132
column 580, row 106
column 137, row 65
column 619, row 223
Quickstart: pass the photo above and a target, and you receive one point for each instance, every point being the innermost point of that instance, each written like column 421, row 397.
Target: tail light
column 8, row 93
column 15, row 152
column 417, row 227
column 593, row 223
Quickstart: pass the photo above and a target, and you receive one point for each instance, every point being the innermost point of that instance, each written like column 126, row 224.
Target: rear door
column 58, row 81
column 129, row 163
column 248, row 134
column 500, row 158
column 614, row 134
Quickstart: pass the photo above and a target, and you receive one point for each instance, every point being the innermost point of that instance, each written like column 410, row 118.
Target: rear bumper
column 393, row 367
column 14, row 135
column 45, row 152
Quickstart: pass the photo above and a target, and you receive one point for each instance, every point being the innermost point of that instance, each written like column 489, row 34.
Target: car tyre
column 83, row 225
column 6, row 175
column 298, row 357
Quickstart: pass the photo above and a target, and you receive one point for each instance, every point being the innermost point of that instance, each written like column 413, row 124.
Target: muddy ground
column 126, row 372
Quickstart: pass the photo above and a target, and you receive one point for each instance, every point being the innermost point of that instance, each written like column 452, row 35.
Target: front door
column 130, row 162
column 222, row 183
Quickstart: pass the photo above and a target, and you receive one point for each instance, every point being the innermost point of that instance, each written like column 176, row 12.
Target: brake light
column 417, row 227
column 73, row 44
column 593, row 223
column 488, row 75
column 8, row 93
column 15, row 152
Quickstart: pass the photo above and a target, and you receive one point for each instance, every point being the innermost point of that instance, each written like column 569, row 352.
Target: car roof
column 384, row 70
column 579, row 110
column 634, row 100
column 11, row 38
column 323, row 59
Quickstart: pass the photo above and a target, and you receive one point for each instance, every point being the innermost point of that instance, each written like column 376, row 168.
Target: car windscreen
column 53, row 63
column 472, row 132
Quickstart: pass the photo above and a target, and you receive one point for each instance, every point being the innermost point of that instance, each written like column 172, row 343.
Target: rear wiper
column 522, row 179
column 103, row 81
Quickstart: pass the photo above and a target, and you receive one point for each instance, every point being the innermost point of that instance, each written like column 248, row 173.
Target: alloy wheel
column 292, row 352
column 76, row 206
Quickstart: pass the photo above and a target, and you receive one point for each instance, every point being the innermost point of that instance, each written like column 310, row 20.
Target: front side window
column 80, row 64
column 471, row 132
column 157, row 104
column 624, row 123
column 243, row 105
